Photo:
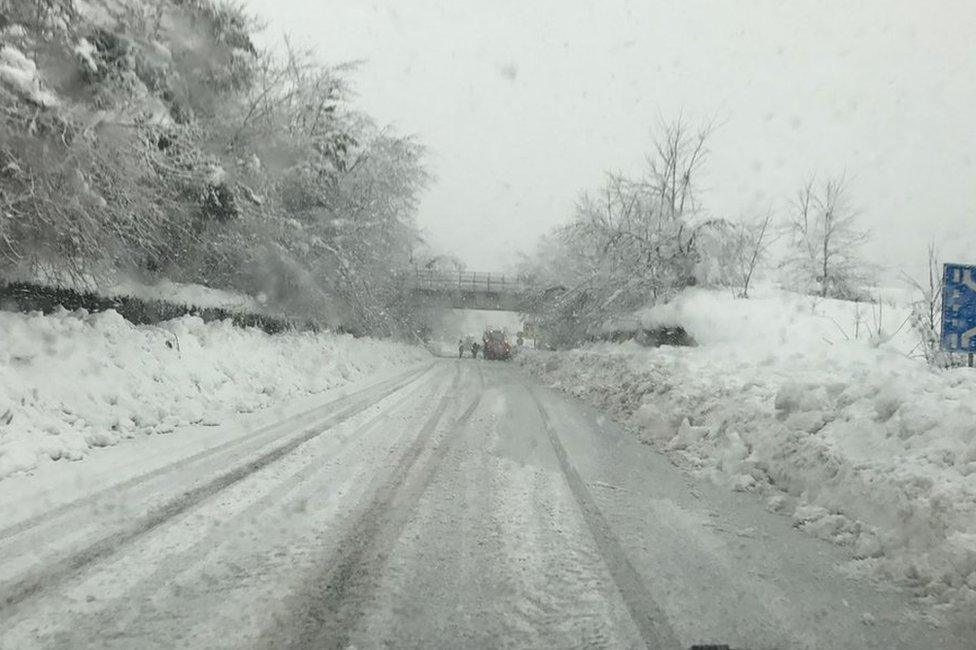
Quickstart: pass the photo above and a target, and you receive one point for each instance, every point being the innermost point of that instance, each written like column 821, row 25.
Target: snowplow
column 496, row 345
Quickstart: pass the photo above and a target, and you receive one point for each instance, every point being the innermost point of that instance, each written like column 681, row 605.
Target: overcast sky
column 523, row 104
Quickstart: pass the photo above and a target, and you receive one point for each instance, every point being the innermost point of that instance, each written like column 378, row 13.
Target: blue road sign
column 959, row 308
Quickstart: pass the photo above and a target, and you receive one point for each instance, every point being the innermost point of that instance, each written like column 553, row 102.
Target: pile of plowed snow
column 854, row 439
column 71, row 382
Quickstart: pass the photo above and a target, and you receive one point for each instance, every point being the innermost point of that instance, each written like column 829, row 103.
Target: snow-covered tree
column 154, row 137
column 634, row 242
column 825, row 240
column 742, row 251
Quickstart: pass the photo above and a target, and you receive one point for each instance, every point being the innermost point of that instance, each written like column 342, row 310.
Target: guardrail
column 468, row 281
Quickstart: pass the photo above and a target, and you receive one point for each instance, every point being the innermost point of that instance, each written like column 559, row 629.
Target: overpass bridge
column 471, row 290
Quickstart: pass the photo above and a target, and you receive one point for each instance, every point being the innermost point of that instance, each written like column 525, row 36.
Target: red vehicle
column 496, row 345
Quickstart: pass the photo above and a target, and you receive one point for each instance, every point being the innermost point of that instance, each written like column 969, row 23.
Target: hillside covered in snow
column 155, row 140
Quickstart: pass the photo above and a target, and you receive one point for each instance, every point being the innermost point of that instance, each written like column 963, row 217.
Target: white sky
column 524, row 104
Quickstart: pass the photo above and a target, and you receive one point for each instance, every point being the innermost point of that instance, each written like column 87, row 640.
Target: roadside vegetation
column 641, row 239
column 155, row 140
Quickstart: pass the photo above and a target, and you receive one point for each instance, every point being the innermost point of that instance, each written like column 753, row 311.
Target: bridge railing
column 467, row 281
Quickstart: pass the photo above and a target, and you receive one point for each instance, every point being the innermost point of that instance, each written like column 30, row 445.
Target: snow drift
column 817, row 405
column 72, row 382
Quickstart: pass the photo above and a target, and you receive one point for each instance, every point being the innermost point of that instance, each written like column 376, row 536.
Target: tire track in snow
column 17, row 591
column 129, row 607
column 644, row 610
column 327, row 612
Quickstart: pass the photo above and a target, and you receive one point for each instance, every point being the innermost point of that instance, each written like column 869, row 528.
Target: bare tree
column 636, row 241
column 926, row 315
column 749, row 244
column 826, row 240
column 673, row 169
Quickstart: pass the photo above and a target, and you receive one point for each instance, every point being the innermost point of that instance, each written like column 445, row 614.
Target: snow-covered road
column 454, row 505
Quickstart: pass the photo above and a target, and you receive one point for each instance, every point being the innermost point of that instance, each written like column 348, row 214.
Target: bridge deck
column 467, row 282
column 471, row 290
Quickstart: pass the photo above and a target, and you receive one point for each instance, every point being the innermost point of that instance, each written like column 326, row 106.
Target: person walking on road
column 474, row 350
column 460, row 349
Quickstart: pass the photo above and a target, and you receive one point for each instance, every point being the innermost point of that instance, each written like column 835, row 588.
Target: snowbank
column 856, row 441
column 20, row 74
column 182, row 294
column 72, row 382
column 121, row 285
